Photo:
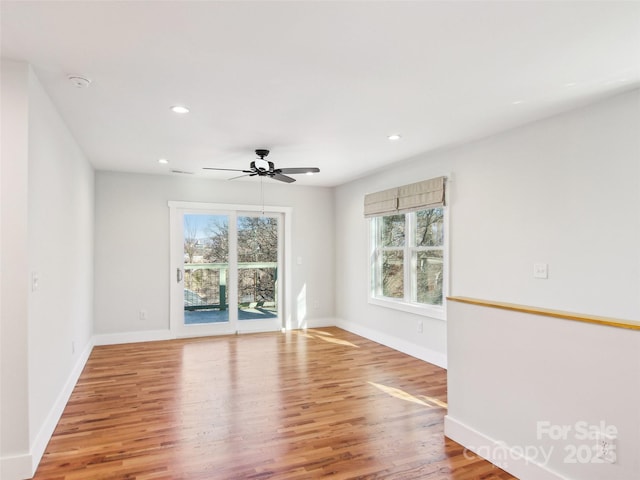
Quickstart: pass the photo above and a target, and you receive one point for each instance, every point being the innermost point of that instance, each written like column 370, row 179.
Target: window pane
column 429, row 277
column 429, row 227
column 206, row 262
column 393, row 274
column 392, row 231
column 257, row 267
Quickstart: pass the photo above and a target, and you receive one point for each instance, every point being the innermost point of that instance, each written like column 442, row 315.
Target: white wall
column 61, row 211
column 132, row 243
column 14, row 414
column 563, row 191
column 47, row 228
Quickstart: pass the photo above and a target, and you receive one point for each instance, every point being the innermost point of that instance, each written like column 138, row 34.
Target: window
column 408, row 261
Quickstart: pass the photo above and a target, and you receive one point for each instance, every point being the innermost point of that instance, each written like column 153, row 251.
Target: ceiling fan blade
column 240, row 176
column 293, row 171
column 282, row 178
column 226, row 169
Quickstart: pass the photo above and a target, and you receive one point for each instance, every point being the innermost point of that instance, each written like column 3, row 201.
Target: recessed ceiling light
column 570, row 84
column 517, row 102
column 309, row 173
column 179, row 109
column 163, row 161
column 394, row 136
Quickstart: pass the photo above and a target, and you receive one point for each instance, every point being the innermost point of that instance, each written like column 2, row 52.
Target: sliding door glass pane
column 206, row 266
column 257, row 267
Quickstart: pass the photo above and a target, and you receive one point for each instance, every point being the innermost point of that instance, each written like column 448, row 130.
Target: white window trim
column 431, row 311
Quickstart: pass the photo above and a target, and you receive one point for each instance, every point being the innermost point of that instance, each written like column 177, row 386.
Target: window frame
column 406, row 304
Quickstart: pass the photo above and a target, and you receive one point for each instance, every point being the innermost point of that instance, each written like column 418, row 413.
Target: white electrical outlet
column 540, row 270
column 606, row 448
column 142, row 315
column 419, row 326
column 35, row 281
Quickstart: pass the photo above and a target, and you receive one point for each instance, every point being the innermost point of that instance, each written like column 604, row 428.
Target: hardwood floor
column 300, row 405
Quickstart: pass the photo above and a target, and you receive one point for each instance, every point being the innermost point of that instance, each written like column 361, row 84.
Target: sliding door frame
column 176, row 209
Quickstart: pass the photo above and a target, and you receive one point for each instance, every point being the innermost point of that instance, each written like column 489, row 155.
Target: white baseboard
column 44, row 435
column 497, row 452
column 318, row 323
column 17, row 467
column 430, row 356
column 132, row 337
column 156, row 335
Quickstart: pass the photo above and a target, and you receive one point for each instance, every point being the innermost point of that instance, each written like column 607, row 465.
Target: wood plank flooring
column 302, row 405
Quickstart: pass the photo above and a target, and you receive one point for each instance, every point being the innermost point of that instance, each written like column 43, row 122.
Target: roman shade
column 408, row 198
column 381, row 203
column 421, row 195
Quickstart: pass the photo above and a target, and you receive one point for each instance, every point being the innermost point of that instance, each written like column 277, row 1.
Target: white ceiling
column 319, row 83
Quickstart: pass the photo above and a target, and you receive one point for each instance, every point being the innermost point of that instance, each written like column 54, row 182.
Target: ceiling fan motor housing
column 262, row 153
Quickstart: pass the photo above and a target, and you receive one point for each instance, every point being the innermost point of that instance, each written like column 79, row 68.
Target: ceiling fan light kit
column 265, row 168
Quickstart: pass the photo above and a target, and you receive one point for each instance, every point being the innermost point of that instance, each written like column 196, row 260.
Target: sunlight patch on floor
column 303, row 334
column 439, row 403
column 402, row 395
column 319, row 332
column 338, row 341
column 320, row 335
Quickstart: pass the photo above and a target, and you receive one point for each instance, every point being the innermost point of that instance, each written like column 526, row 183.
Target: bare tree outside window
column 204, row 245
column 258, row 244
column 190, row 239
column 208, row 276
column 429, row 260
column 217, row 249
column 392, row 236
column 409, row 263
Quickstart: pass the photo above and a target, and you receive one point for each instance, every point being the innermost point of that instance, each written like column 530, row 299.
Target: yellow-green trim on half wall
column 578, row 317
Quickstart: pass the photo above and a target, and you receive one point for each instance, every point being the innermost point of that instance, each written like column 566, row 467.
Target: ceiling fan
column 265, row 168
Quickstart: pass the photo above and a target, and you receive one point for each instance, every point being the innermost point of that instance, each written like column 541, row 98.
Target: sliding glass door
column 226, row 271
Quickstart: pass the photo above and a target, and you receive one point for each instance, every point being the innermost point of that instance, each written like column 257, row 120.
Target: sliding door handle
column 179, row 275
